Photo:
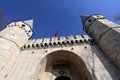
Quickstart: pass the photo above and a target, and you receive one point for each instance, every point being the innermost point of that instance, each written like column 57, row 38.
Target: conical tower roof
column 30, row 23
column 84, row 18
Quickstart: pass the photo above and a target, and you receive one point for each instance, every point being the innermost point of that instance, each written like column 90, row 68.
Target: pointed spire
column 30, row 23
column 84, row 18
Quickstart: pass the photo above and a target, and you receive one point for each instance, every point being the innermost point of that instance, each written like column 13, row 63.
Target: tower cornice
column 22, row 25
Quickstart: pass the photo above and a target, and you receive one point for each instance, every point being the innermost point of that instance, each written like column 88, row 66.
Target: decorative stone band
column 57, row 42
column 10, row 41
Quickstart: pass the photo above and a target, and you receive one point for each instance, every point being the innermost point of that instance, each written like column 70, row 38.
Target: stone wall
column 34, row 63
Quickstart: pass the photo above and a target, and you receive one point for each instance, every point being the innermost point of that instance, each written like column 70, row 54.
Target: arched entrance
column 63, row 65
column 62, row 78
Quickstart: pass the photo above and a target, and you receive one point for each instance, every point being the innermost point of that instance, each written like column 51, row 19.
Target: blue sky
column 62, row 15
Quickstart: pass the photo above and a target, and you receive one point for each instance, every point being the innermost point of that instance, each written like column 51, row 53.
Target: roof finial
column 84, row 18
column 30, row 23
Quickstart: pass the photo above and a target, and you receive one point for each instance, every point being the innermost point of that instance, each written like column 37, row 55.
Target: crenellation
column 55, row 42
column 54, row 39
column 79, row 38
column 87, row 38
column 31, row 40
column 30, row 43
column 39, row 40
column 70, row 40
column 62, row 38
column 70, row 37
column 46, row 40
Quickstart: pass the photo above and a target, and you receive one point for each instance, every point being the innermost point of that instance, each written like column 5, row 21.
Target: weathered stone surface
column 106, row 34
column 37, row 64
column 76, row 57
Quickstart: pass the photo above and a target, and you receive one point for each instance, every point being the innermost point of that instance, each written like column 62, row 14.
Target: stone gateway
column 93, row 56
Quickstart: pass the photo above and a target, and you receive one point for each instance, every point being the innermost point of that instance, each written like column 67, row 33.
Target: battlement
column 57, row 42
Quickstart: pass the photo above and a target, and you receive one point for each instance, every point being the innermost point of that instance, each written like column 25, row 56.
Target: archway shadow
column 66, row 60
column 62, row 78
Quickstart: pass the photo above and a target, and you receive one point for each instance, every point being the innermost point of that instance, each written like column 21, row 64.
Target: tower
column 106, row 34
column 12, row 39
